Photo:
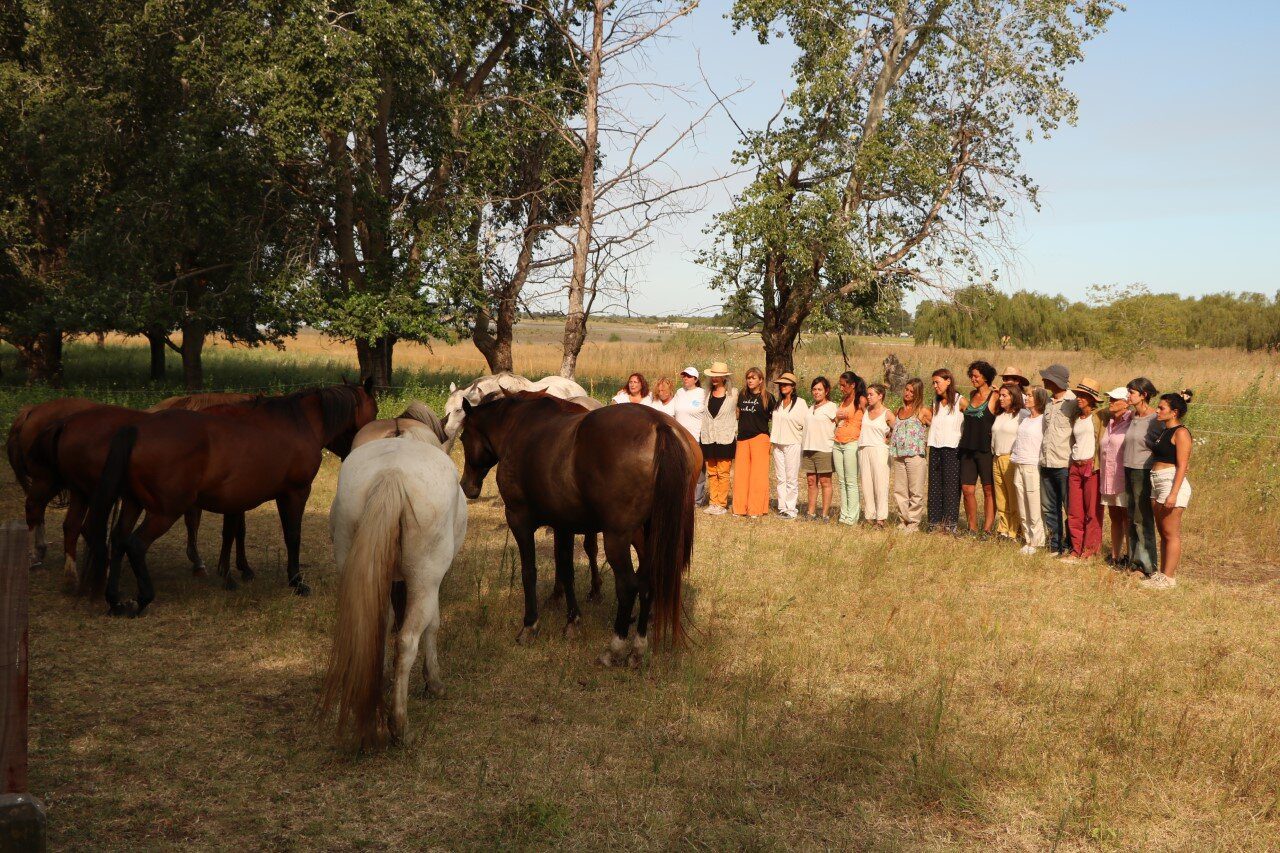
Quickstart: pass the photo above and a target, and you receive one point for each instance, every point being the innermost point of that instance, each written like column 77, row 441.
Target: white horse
column 398, row 520
column 556, row 386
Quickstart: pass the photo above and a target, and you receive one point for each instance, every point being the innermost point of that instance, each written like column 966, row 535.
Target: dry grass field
column 845, row 688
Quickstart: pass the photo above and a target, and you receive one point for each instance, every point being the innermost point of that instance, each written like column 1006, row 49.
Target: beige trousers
column 873, row 471
column 909, row 476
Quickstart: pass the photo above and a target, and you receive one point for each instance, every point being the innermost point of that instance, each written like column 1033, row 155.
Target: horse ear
column 367, row 385
column 453, row 386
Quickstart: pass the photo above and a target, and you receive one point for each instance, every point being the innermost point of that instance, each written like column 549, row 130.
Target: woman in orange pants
column 751, row 462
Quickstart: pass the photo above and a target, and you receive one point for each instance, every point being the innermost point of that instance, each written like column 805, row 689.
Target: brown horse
column 626, row 471
column 200, row 402
column 227, row 462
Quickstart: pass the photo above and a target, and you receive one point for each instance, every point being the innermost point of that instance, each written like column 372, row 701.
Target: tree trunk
column 779, row 352
column 575, row 321
column 156, row 341
column 375, row 360
column 40, row 357
column 193, row 332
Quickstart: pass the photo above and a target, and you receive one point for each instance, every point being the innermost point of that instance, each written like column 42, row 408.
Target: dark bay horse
column 626, row 471
column 221, row 461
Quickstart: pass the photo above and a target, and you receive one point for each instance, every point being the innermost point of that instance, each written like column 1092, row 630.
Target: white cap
column 690, row 371
column 1121, row 393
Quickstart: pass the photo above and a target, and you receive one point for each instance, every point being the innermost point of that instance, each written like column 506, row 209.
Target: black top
column 1164, row 450
column 753, row 416
column 714, row 405
column 975, row 432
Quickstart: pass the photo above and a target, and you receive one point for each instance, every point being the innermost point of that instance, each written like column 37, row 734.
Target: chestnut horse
column 626, row 471
column 227, row 462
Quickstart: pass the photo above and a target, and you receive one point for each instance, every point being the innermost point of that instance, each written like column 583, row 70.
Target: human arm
column 1182, row 450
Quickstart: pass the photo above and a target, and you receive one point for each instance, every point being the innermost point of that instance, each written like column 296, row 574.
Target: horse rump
column 669, row 538
column 353, row 681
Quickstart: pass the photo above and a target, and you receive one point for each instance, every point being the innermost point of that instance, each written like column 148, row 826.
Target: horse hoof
column 595, row 595
column 527, row 634
column 301, row 588
column 229, row 583
column 37, row 564
column 616, row 653
column 247, row 574
column 124, row 608
column 436, row 689
column 71, row 584
column 556, row 596
column 573, row 630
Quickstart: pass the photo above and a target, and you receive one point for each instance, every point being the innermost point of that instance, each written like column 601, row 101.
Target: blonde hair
column 765, row 398
column 663, row 382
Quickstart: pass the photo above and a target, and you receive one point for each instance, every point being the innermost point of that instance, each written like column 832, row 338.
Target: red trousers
column 1084, row 512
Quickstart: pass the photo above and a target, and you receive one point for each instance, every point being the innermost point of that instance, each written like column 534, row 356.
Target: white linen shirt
column 820, row 428
column 788, row 424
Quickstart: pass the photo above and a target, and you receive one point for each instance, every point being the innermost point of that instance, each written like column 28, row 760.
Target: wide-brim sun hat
column 1088, row 386
column 1058, row 374
column 1015, row 374
column 690, row 371
column 1121, row 393
column 718, row 368
column 787, row 378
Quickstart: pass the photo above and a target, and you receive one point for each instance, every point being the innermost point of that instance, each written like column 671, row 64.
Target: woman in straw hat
column 751, row 482
column 719, row 433
column 786, row 439
column 1084, row 503
column 1112, row 482
column 1015, row 376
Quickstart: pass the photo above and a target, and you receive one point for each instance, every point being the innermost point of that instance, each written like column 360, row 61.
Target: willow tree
column 895, row 156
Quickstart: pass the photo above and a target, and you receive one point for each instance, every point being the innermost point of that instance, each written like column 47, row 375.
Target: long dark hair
column 1145, row 387
column 950, row 396
column 1015, row 394
column 859, row 388
column 644, row 385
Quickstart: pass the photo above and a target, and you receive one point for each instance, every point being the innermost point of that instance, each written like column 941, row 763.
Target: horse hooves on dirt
column 616, row 653
column 527, row 634
column 573, row 630
column 124, row 608
column 247, row 574
column 436, row 689
column 37, row 563
column 229, row 583
column 301, row 588
column 595, row 594
column 199, row 571
column 556, row 596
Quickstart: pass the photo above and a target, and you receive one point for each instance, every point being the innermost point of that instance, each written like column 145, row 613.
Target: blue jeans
column 1053, row 506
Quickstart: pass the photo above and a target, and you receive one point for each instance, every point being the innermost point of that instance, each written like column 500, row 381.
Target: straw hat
column 1088, row 386
column 1015, row 374
column 787, row 378
column 718, row 368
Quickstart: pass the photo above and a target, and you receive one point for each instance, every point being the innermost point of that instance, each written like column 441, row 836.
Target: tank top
column 875, row 431
column 975, row 434
column 946, row 426
column 909, row 437
column 1164, row 450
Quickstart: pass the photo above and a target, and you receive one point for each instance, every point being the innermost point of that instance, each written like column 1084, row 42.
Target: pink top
column 1113, row 454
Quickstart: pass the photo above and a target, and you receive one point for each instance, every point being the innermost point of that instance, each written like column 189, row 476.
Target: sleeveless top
column 976, row 432
column 874, row 430
column 1164, row 450
column 945, row 428
column 908, row 437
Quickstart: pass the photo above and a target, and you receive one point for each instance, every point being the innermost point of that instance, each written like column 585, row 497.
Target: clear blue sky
column 1170, row 176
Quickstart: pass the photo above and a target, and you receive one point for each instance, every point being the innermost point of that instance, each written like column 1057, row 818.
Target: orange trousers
column 751, row 476
column 718, row 481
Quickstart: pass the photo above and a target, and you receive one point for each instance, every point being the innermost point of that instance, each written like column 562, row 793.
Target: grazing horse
column 398, row 520
column 626, row 471
column 417, row 418
column 508, row 383
column 173, row 461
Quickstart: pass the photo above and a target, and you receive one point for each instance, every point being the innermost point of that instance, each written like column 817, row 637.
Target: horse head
column 482, row 435
column 345, row 412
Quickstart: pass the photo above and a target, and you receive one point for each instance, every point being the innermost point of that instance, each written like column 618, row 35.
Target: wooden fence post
column 22, row 823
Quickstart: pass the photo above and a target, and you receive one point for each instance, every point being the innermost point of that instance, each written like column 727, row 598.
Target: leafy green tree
column 896, row 154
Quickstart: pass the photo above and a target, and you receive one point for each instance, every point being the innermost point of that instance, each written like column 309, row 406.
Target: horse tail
column 669, row 540
column 354, row 678
column 14, row 451
column 104, row 497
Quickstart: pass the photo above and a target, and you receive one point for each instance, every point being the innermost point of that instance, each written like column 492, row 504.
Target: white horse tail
column 354, row 679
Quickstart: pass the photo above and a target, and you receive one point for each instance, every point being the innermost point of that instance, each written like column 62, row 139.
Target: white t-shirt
column 1083, row 440
column 788, row 424
column 690, row 405
column 668, row 407
column 1026, row 447
column 944, row 429
column 1004, row 431
column 623, row 397
column 820, row 428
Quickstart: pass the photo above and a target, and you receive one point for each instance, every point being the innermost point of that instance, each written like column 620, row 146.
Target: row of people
column 1049, row 460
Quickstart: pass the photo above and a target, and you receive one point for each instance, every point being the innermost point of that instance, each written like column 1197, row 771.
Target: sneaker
column 715, row 509
column 787, row 516
column 1028, row 550
column 1158, row 581
column 1069, row 558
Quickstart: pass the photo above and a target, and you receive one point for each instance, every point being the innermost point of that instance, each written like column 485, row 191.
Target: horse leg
column 224, row 554
column 591, row 545
column 38, row 498
column 430, row 660
column 242, row 559
column 564, row 577
column 152, row 528
column 522, row 532
column 644, row 584
column 417, row 616
column 76, row 508
column 129, row 513
column 291, row 506
column 617, row 549
column 192, row 518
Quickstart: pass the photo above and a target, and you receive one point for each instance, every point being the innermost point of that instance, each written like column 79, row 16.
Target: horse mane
column 338, row 404
column 421, row 412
